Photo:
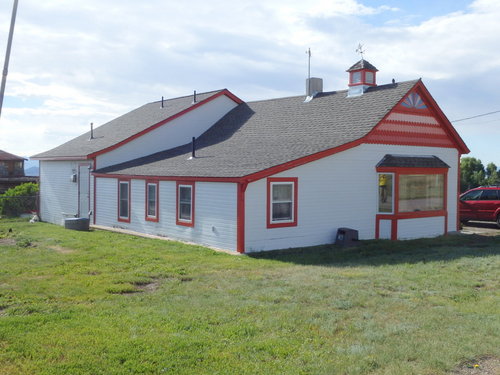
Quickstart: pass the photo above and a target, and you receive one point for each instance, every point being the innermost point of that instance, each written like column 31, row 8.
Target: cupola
column 361, row 76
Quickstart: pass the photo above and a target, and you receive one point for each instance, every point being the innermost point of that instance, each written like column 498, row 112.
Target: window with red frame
column 124, row 200
column 185, row 204
column 282, row 202
column 152, row 201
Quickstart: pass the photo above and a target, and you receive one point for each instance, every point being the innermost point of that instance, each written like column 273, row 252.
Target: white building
column 269, row 174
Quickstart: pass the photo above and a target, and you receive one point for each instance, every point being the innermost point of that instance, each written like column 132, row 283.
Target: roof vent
column 314, row 86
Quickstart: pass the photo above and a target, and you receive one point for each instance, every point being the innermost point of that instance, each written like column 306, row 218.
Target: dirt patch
column 7, row 241
column 482, row 366
column 62, row 250
column 481, row 228
column 148, row 287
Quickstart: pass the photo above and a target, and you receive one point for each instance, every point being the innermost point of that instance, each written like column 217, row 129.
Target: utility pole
column 7, row 54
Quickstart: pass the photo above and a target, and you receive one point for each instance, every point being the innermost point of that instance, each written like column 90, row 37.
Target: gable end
column 417, row 121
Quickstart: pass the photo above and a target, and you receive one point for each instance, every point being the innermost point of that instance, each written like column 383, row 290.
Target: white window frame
column 120, row 199
column 291, row 200
column 183, row 221
column 155, row 197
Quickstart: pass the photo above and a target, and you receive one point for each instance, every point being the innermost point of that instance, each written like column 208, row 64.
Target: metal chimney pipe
column 91, row 131
column 193, row 148
column 194, row 96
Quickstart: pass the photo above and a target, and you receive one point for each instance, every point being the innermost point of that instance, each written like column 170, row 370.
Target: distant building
column 12, row 171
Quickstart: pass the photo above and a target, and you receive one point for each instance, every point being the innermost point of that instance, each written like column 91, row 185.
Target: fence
column 15, row 206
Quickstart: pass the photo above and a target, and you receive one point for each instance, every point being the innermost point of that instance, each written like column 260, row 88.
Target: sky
column 77, row 62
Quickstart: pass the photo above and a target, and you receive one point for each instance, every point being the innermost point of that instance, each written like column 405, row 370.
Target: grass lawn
column 107, row 303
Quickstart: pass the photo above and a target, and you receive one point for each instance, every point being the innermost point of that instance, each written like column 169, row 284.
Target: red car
column 482, row 204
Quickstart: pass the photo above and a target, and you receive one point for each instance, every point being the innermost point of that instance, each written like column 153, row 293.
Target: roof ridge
column 331, row 92
column 187, row 96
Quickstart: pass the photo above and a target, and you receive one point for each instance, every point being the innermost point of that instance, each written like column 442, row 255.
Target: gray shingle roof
column 258, row 135
column 123, row 127
column 405, row 161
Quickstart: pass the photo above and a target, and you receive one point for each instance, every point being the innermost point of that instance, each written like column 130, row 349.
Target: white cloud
column 77, row 62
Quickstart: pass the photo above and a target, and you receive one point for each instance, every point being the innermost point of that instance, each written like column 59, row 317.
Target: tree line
column 474, row 174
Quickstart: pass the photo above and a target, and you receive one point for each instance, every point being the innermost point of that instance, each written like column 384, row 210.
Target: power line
column 481, row 115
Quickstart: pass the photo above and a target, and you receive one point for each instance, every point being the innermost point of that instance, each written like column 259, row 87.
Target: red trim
column 155, row 218
column 294, row 181
column 394, row 230
column 240, row 220
column 124, row 219
column 186, row 223
column 225, row 92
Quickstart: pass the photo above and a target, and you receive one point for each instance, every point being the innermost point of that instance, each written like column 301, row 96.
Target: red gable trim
column 451, row 139
column 225, row 92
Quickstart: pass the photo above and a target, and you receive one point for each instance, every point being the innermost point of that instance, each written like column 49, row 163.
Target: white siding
column 172, row 134
column 337, row 191
column 418, row 228
column 214, row 215
column 385, row 229
column 58, row 194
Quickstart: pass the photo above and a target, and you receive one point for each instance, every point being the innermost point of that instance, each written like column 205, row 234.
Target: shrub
column 19, row 199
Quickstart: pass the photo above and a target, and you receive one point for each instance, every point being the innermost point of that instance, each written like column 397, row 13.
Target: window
column 385, row 193
column 282, row 202
column 471, row 196
column 356, row 77
column 489, row 195
column 421, row 192
column 185, row 204
column 152, row 201
column 369, row 77
column 124, row 201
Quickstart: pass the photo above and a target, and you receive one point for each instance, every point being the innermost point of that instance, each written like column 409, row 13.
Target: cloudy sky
column 77, row 62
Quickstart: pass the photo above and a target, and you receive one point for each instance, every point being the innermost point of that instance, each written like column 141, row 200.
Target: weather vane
column 360, row 50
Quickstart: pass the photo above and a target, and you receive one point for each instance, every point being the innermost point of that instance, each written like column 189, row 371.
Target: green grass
column 105, row 303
